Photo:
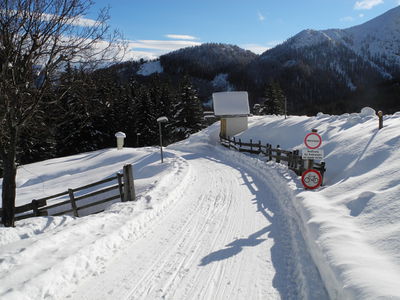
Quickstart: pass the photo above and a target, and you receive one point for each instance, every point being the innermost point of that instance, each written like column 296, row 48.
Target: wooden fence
column 293, row 158
column 84, row 200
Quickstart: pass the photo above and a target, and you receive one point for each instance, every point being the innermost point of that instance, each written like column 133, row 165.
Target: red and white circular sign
column 313, row 140
column 311, row 179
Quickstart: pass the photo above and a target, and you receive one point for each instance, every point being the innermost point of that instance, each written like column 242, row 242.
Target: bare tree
column 37, row 37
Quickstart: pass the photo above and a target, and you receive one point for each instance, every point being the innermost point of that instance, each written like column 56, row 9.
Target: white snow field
column 212, row 223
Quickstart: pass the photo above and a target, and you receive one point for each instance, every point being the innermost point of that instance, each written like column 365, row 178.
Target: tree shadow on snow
column 235, row 247
column 284, row 260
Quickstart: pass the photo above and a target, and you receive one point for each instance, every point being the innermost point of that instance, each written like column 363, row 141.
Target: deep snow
column 349, row 226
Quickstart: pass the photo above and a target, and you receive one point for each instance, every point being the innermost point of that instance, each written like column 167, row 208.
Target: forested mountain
column 333, row 70
column 207, row 60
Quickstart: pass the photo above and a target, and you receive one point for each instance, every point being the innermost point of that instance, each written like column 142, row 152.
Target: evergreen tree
column 188, row 110
column 146, row 120
column 274, row 100
column 75, row 129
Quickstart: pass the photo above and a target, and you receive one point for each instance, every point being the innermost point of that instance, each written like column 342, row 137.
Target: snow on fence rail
column 83, row 200
column 293, row 158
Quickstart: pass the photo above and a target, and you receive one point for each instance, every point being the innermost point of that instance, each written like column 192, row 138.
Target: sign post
column 312, row 141
column 311, row 179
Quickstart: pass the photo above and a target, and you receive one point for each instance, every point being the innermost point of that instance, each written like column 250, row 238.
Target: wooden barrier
column 293, row 158
column 40, row 207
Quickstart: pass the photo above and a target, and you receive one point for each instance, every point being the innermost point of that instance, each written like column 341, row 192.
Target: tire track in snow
column 224, row 238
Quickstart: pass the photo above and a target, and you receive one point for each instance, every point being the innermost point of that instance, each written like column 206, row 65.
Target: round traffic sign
column 313, row 140
column 311, row 179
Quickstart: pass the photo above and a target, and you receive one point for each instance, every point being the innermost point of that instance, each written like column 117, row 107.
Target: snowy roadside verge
column 284, row 185
column 52, row 254
column 351, row 224
column 318, row 258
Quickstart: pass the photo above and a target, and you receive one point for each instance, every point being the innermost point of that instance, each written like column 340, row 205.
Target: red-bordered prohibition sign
column 313, row 140
column 311, row 179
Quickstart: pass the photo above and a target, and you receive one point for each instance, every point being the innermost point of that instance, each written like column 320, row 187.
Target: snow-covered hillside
column 149, row 68
column 215, row 223
column 377, row 41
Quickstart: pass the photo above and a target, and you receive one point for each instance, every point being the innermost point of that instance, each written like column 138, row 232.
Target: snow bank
column 45, row 257
column 350, row 224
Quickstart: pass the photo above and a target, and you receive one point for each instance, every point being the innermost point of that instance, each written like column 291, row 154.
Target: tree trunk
column 9, row 180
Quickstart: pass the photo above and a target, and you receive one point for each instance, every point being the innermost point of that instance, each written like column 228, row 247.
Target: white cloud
column 84, row 22
column 151, row 49
column 79, row 21
column 161, row 45
column 261, row 18
column 347, row 19
column 181, row 37
column 259, row 49
column 362, row 15
column 367, row 4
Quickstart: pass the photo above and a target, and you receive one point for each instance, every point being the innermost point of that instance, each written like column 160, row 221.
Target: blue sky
column 154, row 27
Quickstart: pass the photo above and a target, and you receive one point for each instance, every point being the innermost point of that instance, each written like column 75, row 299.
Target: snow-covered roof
column 120, row 134
column 231, row 104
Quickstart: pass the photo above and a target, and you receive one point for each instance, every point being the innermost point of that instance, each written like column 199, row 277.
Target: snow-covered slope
column 350, row 225
column 149, row 68
column 377, row 40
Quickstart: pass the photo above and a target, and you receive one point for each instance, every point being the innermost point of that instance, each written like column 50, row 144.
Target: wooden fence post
column 322, row 171
column 129, row 186
column 35, row 207
column 278, row 154
column 120, row 186
column 73, row 202
column 290, row 159
column 229, row 142
column 259, row 147
column 240, row 143
column 251, row 145
column 269, row 152
column 296, row 160
column 380, row 116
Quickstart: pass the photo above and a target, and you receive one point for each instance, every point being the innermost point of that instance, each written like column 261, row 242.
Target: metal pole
column 285, row 107
column 159, row 129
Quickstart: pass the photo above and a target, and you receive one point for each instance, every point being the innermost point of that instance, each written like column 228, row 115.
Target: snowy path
column 224, row 238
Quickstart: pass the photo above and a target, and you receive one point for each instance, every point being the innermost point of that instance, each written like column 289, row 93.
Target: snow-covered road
column 212, row 223
column 224, row 238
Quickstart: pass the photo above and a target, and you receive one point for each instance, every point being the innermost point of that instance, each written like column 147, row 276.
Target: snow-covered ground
column 149, row 68
column 211, row 223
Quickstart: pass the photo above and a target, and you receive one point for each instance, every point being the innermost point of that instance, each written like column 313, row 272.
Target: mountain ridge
column 333, row 69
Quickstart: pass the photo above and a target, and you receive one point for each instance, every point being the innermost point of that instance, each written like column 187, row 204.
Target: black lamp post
column 159, row 121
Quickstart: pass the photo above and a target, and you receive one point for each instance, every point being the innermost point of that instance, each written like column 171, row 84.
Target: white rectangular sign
column 312, row 154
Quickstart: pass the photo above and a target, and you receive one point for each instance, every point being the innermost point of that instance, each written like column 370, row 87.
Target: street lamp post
column 285, row 107
column 137, row 138
column 159, row 121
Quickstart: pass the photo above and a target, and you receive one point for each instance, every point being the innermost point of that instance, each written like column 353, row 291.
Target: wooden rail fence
column 293, row 158
column 83, row 200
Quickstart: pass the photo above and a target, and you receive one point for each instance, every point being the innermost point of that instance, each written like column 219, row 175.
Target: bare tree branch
column 37, row 38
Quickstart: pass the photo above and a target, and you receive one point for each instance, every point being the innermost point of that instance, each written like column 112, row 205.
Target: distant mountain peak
column 376, row 41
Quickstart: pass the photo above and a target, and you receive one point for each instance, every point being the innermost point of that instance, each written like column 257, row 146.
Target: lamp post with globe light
column 159, row 121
